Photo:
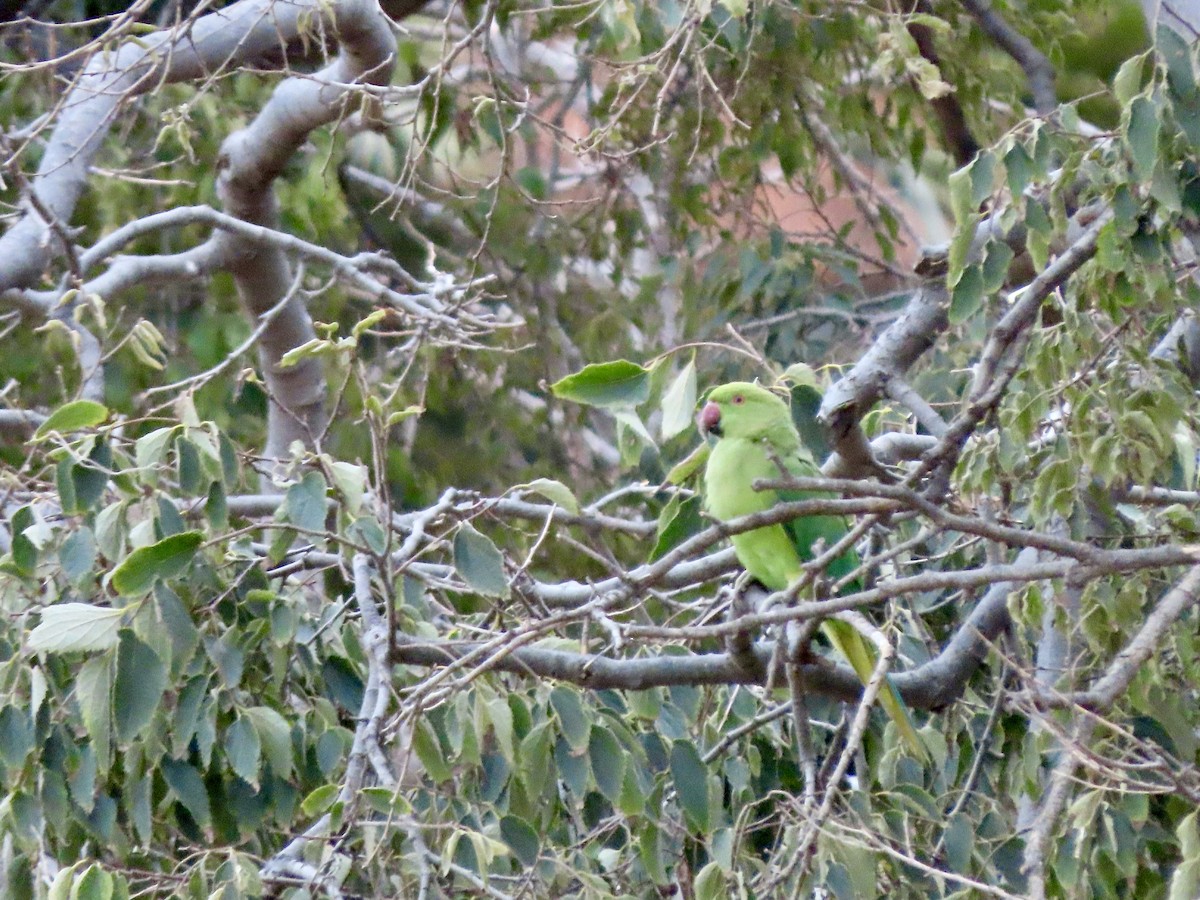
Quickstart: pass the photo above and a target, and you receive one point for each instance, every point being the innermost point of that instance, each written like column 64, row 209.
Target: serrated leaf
column 305, row 505
column 150, row 449
column 1128, row 79
column 276, row 736
column 691, row 783
column 960, row 196
column 24, row 550
column 710, row 883
column 995, row 266
column 188, row 465
column 629, row 420
column 679, row 520
column 1185, row 881
column 554, row 491
column 608, row 759
column 243, row 749
column 479, row 562
column 188, row 787
column 77, row 555
column 350, row 481
column 94, row 884
column 690, row 465
column 138, row 688
column 319, row 800
column 1141, row 136
column 617, row 383
column 382, row 800
column 16, row 736
column 170, row 556
column 650, row 853
column 967, row 297
column 572, row 720
column 679, row 402
column 983, row 176
column 93, row 693
column 522, row 840
column 1177, row 55
column 1018, row 166
column 71, row 627
column 72, row 416
column 501, row 716
column 429, row 752
column 959, row 840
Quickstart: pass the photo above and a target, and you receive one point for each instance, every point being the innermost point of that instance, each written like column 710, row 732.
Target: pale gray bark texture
column 250, row 161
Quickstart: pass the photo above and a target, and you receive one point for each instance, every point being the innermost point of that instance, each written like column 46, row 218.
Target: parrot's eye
column 738, row 399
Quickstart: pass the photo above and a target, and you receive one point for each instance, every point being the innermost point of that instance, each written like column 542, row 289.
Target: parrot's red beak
column 710, row 419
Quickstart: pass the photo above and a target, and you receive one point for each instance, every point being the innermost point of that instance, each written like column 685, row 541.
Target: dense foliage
column 351, row 536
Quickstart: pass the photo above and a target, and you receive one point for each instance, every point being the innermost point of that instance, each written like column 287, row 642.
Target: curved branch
column 223, row 38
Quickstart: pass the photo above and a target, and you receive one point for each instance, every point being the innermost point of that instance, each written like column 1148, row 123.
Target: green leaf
column 276, row 737
column 383, row 800
column 1128, row 80
column 967, row 296
column 572, row 720
column 632, row 799
column 650, row 853
column 77, row 555
column 72, row 416
column 94, row 884
column 554, row 491
column 1019, row 168
column 170, row 556
column 305, row 505
column 959, row 842
column 319, row 800
column 983, row 177
column 690, row 465
column 995, row 266
column 93, row 693
column 429, row 752
column 68, row 627
column 961, row 205
column 608, row 762
column 138, row 689
column 479, row 562
column 350, row 481
column 521, row 839
column 1141, row 136
column 1185, row 882
column 227, row 657
column 618, row 383
column 691, row 783
column 501, row 716
column 679, row 402
column 188, row 464
column 188, row 787
column 243, row 749
column 24, row 550
column 679, row 520
column 1177, row 55
column 16, row 736
column 710, row 883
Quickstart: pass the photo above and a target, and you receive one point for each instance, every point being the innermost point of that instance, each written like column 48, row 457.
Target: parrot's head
column 743, row 410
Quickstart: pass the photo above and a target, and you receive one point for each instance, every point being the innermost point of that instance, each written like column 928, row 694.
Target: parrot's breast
column 767, row 553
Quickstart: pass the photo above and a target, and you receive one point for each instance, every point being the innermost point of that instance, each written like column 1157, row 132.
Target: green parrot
column 755, row 437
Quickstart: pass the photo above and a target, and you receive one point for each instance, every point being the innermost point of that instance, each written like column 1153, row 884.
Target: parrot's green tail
column 848, row 642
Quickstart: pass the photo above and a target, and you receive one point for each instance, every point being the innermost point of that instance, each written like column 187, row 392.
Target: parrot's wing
column 807, row 531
